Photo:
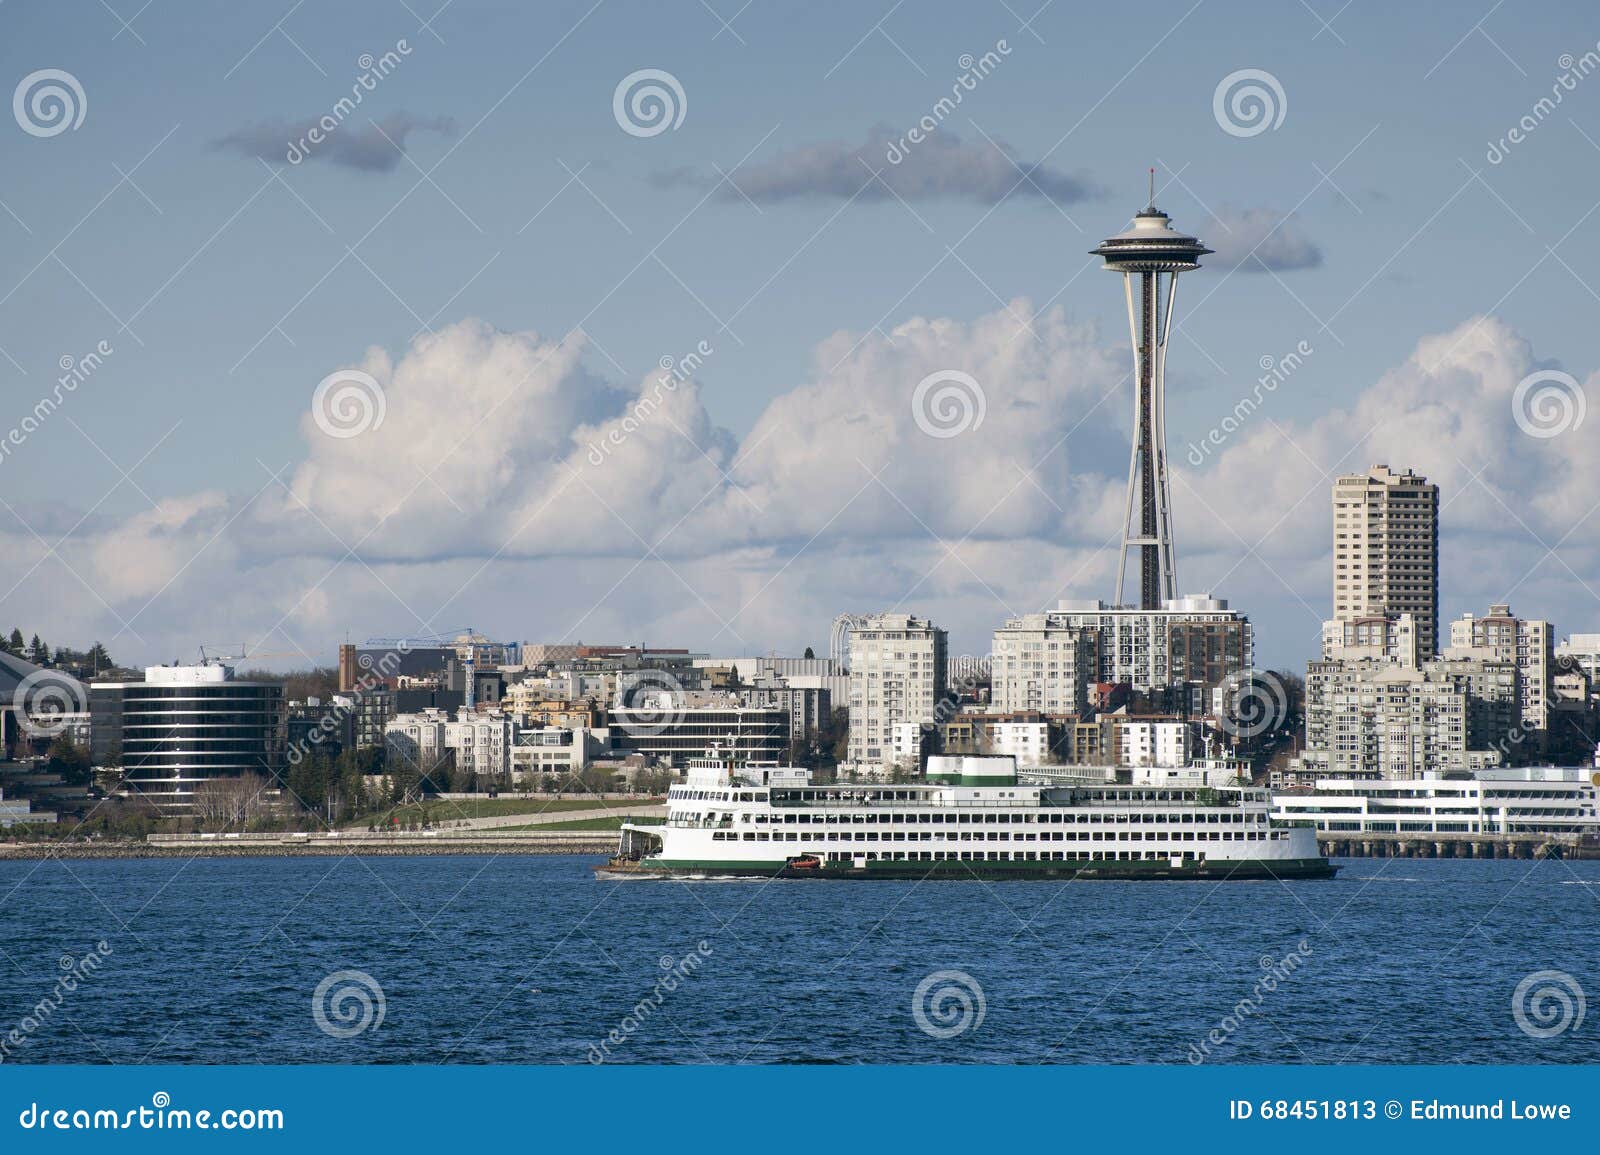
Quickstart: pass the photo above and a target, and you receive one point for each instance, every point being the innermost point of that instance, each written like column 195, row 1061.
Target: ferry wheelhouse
column 971, row 818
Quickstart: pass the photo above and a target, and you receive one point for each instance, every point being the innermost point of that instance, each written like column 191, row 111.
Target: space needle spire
column 1145, row 254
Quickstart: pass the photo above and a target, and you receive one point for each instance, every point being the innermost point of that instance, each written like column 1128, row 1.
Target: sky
column 606, row 321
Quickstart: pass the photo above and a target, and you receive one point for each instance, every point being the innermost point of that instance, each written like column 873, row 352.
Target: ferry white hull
column 729, row 828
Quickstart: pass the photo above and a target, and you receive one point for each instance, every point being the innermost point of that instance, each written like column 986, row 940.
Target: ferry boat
column 972, row 818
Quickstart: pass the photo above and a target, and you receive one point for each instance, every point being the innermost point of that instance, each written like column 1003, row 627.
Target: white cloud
column 511, row 488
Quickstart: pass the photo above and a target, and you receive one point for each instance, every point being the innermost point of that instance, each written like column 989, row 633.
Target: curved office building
column 184, row 725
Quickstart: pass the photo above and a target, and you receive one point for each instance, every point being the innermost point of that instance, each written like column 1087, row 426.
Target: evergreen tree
column 38, row 652
column 15, row 644
column 97, row 659
column 69, row 760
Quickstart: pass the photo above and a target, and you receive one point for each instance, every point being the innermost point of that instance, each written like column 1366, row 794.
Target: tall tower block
column 1150, row 256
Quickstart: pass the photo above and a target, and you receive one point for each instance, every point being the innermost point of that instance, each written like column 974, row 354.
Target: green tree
column 38, row 652
column 15, row 644
column 441, row 775
column 307, row 781
column 835, row 734
column 69, row 760
column 810, row 653
column 97, row 659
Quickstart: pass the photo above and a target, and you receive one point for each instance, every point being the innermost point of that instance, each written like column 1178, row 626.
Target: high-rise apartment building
column 1376, row 639
column 1503, row 637
column 897, row 674
column 1375, row 719
column 1192, row 639
column 1386, row 550
column 1043, row 664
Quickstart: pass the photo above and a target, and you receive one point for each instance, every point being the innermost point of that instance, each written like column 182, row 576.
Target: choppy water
column 528, row 959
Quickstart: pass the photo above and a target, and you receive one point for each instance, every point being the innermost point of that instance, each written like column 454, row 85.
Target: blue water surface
column 533, row 960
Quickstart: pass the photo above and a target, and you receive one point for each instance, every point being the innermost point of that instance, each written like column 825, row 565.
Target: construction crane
column 219, row 656
column 447, row 637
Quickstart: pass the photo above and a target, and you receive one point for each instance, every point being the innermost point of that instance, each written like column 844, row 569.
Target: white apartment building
column 1139, row 743
column 558, row 750
column 897, row 674
column 1195, row 638
column 1371, row 639
column 1027, row 742
column 1042, row 664
column 1383, row 720
column 1386, row 550
column 483, row 743
column 1503, row 637
column 416, row 740
column 906, row 745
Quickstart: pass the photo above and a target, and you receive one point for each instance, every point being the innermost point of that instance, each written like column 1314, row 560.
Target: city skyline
column 566, row 486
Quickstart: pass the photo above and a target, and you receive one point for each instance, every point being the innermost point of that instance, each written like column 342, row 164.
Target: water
column 530, row 959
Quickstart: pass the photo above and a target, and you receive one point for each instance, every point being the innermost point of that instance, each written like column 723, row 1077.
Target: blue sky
column 229, row 285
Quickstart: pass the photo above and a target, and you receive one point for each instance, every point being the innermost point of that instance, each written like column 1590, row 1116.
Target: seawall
column 288, row 845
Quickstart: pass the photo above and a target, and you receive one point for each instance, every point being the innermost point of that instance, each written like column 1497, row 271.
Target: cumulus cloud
column 367, row 145
column 489, row 441
column 941, row 165
column 512, row 487
column 1260, row 240
column 1448, row 411
column 146, row 553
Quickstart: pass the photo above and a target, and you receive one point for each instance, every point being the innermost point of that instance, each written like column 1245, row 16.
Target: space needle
column 1143, row 254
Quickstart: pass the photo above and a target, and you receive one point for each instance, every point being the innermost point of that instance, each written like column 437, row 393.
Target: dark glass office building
column 185, row 725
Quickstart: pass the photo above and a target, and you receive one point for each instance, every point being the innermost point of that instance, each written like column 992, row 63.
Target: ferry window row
column 964, row 819
column 994, row 836
column 684, row 794
column 1022, row 856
